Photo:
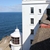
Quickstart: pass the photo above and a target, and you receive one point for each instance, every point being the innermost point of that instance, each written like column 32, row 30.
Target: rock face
column 4, row 43
column 43, row 45
column 42, row 33
column 45, row 20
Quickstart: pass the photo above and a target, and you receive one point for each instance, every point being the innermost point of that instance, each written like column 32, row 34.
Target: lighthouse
column 32, row 12
column 15, row 40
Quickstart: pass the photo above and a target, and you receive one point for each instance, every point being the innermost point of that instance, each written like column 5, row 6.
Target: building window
column 39, row 21
column 32, row 31
column 15, row 40
column 32, row 20
column 31, row 41
column 32, row 10
column 39, row 10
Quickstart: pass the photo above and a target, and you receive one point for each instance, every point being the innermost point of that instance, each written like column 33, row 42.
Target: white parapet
column 34, row 1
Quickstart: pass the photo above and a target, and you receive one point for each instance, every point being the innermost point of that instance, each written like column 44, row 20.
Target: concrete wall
column 26, row 22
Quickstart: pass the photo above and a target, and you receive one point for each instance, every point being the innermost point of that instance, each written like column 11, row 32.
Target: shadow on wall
column 36, row 28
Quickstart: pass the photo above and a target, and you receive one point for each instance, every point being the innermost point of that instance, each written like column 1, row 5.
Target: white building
column 15, row 40
column 32, row 12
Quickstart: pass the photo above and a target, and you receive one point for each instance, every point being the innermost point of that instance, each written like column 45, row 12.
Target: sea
column 9, row 21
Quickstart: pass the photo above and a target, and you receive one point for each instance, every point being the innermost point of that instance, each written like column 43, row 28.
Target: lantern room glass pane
column 15, row 40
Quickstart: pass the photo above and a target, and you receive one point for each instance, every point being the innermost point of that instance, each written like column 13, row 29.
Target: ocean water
column 9, row 21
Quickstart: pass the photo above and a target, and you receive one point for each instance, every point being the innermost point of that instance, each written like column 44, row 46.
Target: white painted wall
column 15, row 47
column 26, row 25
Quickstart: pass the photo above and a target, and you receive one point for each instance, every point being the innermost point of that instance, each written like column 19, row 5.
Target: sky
column 10, row 5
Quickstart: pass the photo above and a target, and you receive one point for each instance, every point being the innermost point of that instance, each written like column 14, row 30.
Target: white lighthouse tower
column 32, row 12
column 15, row 40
